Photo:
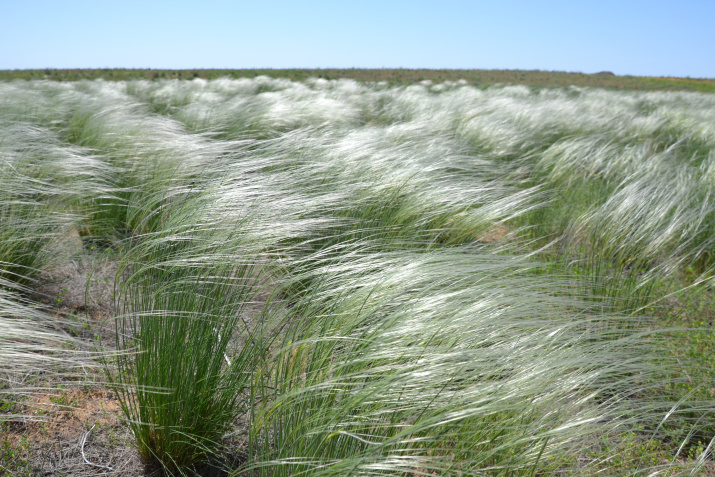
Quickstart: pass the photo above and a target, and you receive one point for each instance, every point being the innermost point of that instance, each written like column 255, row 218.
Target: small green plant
column 60, row 296
column 14, row 455
column 64, row 400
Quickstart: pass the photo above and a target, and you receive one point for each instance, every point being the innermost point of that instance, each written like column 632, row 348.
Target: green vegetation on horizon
column 474, row 77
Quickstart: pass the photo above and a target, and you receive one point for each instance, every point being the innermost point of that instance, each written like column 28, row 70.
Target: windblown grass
column 452, row 361
column 182, row 386
column 30, row 345
column 456, row 278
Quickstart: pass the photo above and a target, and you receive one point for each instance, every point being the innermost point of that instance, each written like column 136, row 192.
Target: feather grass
column 412, row 327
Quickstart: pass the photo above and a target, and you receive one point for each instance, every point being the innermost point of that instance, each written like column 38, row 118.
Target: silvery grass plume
column 636, row 213
column 651, row 227
column 39, row 103
column 38, row 209
column 139, row 154
column 262, row 107
column 455, row 362
column 147, row 155
column 37, row 198
column 34, row 351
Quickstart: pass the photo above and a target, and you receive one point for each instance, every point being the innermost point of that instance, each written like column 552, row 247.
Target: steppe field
column 267, row 277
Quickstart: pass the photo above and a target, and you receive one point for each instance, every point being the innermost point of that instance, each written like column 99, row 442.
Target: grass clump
column 456, row 361
column 185, row 363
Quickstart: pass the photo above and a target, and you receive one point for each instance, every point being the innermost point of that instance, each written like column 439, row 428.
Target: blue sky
column 656, row 38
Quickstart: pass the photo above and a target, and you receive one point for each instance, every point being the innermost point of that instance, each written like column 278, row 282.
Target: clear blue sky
column 656, row 38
